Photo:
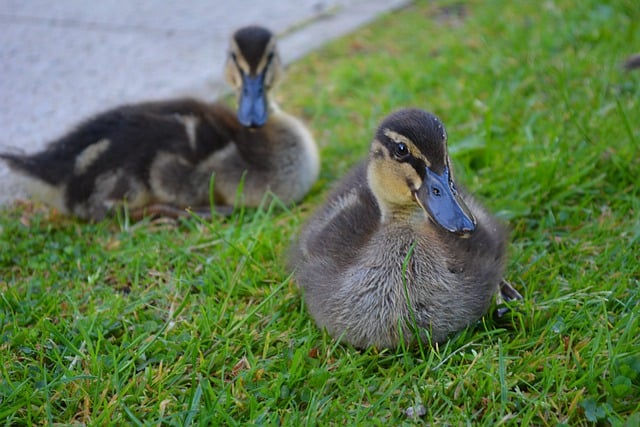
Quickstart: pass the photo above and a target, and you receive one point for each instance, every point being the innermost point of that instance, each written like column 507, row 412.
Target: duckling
column 398, row 247
column 161, row 157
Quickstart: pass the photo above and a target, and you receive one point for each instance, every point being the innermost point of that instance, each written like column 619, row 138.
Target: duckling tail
column 508, row 292
column 15, row 161
column 27, row 165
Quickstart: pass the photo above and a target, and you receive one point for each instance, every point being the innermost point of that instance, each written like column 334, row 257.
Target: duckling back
column 122, row 154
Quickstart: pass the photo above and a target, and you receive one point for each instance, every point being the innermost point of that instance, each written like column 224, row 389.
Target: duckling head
column 409, row 165
column 253, row 67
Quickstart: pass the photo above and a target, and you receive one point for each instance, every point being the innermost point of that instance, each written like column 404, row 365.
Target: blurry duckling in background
column 159, row 157
column 398, row 248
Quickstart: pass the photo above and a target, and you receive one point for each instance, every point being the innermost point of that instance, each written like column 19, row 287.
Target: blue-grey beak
column 252, row 106
column 444, row 205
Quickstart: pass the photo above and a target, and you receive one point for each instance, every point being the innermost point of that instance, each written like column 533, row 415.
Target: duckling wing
column 336, row 233
column 202, row 127
column 173, row 136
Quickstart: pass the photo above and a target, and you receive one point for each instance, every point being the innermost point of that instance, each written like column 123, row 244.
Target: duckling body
column 386, row 254
column 161, row 157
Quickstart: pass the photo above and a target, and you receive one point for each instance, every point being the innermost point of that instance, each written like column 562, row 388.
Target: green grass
column 199, row 322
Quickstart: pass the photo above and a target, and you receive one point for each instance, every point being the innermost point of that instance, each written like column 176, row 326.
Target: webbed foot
column 507, row 294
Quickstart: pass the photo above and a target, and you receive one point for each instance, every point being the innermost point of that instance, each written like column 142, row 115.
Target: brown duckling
column 398, row 248
column 162, row 157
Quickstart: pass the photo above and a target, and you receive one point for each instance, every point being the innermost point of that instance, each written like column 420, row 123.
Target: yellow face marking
column 270, row 49
column 399, row 138
column 392, row 182
column 239, row 58
column 396, row 137
column 235, row 67
column 242, row 62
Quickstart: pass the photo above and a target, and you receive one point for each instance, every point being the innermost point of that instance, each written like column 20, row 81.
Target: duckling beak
column 443, row 204
column 252, row 105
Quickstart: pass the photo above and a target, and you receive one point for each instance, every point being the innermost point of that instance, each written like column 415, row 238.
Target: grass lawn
column 198, row 322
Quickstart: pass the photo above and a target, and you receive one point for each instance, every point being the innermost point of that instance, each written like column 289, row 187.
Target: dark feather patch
column 424, row 129
column 252, row 42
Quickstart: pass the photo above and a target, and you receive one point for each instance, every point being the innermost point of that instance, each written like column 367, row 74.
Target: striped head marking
column 409, row 164
column 253, row 67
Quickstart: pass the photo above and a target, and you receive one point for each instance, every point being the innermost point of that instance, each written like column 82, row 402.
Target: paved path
column 64, row 60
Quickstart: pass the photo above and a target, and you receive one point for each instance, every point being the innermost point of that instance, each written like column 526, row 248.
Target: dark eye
column 401, row 149
column 435, row 191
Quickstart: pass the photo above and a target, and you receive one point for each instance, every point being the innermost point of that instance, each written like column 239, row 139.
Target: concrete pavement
column 63, row 61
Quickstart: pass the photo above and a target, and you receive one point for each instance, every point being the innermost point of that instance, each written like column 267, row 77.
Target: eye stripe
column 236, row 62
column 418, row 163
column 242, row 66
column 419, row 166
